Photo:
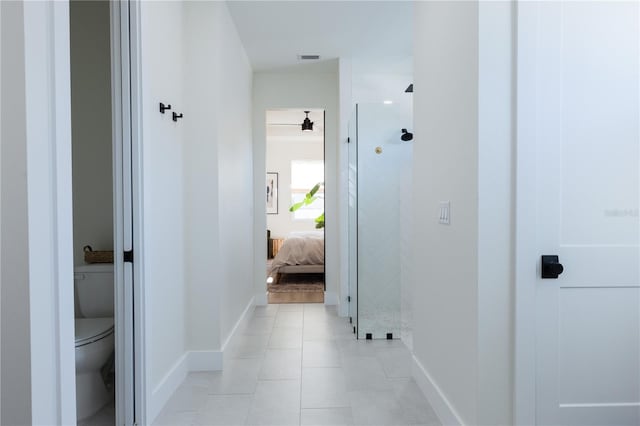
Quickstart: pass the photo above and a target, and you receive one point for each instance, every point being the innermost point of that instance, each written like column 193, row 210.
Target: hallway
column 301, row 365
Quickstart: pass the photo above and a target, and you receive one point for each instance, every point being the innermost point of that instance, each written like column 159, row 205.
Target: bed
column 301, row 253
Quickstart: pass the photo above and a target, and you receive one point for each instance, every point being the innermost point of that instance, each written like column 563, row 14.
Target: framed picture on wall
column 272, row 193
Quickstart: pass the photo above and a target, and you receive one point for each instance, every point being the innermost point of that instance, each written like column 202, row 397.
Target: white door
column 123, row 214
column 578, row 111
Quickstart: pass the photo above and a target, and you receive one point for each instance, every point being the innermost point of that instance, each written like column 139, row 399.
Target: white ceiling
column 376, row 34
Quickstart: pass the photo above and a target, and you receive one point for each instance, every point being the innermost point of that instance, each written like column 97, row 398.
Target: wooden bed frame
column 298, row 269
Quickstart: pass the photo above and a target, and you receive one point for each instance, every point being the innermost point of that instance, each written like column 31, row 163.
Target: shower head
column 406, row 136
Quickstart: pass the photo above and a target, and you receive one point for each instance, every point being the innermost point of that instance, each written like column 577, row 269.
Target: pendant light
column 307, row 125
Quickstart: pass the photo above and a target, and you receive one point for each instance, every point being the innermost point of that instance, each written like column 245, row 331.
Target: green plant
column 308, row 199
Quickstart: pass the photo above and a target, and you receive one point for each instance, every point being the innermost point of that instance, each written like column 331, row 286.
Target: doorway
column 295, row 193
column 103, row 211
column 93, row 224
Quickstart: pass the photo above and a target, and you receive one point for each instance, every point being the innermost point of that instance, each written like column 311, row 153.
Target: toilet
column 94, row 336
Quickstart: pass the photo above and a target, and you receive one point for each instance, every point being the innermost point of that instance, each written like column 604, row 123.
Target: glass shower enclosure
column 379, row 219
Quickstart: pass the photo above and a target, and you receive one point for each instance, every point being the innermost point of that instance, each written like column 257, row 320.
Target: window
column 305, row 174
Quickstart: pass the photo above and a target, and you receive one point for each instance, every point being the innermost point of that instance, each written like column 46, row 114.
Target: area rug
column 302, row 279
column 297, row 288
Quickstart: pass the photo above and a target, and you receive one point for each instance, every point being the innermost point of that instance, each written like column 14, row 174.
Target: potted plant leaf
column 308, row 199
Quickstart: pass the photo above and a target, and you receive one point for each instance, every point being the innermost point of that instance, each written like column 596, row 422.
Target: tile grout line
column 253, row 395
column 312, row 321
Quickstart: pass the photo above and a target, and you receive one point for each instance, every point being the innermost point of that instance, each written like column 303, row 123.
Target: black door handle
column 551, row 267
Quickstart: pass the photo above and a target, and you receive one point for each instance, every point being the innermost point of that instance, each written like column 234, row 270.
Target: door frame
column 325, row 174
column 141, row 323
column 127, row 149
column 527, row 267
column 48, row 125
column 260, row 109
column 49, row 215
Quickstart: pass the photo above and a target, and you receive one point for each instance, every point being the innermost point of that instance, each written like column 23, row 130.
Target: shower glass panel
column 382, row 160
column 353, row 220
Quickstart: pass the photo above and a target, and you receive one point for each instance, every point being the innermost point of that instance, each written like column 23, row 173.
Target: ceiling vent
column 308, row 57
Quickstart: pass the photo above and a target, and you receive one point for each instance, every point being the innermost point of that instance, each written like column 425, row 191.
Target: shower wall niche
column 379, row 220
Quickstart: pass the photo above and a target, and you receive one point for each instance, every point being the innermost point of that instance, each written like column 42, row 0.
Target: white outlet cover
column 445, row 213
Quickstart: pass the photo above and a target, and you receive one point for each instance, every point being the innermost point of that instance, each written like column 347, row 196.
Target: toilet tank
column 94, row 288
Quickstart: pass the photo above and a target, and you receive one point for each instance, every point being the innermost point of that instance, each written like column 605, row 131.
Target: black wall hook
column 164, row 107
column 176, row 116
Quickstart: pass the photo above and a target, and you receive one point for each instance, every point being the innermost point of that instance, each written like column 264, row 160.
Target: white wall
column 219, row 171
column 445, row 168
column 496, row 201
column 378, row 87
column 279, row 156
column 163, row 187
column 201, row 179
column 291, row 89
column 91, row 126
column 38, row 360
column 198, row 189
column 463, row 154
column 235, row 173
column 15, row 370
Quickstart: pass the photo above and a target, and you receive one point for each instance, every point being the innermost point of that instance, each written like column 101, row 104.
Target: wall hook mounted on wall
column 176, row 116
column 164, row 107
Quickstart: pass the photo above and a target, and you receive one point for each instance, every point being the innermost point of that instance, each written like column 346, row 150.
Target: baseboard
column 260, row 299
column 191, row 361
column 441, row 405
column 330, row 298
column 204, row 361
column 246, row 314
column 167, row 387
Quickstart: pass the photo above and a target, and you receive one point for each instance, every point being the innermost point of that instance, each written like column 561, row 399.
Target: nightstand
column 276, row 244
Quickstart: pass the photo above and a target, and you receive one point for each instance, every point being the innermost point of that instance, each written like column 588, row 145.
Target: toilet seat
column 89, row 330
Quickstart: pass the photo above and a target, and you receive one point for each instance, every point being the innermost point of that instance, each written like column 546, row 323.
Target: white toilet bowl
column 94, row 346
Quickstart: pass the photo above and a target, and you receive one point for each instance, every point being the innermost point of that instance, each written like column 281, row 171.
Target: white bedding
column 299, row 250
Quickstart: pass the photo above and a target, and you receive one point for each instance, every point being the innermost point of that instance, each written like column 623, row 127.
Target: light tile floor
column 301, row 365
column 105, row 417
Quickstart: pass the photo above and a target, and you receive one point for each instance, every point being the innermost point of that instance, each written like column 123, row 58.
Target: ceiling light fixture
column 387, row 102
column 307, row 125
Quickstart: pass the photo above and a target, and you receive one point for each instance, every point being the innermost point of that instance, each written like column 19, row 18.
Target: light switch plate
column 445, row 213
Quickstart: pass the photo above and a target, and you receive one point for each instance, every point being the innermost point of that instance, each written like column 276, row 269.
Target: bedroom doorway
column 295, row 165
